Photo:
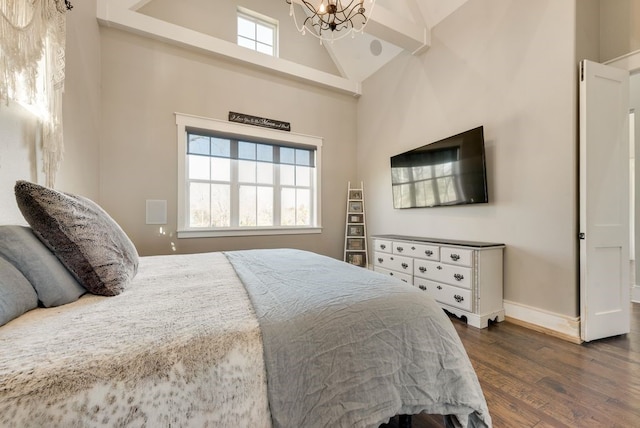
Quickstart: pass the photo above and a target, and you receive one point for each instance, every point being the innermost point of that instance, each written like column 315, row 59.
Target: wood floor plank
column 535, row 380
column 507, row 411
column 600, row 375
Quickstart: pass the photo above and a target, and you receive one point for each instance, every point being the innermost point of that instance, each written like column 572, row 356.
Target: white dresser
column 464, row 277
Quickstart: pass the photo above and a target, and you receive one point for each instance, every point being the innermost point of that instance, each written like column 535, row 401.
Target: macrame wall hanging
column 32, row 58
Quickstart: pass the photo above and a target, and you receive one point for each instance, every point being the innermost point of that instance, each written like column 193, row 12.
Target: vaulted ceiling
column 397, row 25
column 394, row 26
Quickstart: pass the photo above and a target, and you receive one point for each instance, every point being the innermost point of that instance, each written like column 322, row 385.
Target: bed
column 255, row 338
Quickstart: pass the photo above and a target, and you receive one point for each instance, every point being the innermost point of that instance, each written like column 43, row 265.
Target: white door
column 604, row 201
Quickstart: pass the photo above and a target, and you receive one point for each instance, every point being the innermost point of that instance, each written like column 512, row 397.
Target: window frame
column 241, row 132
column 264, row 20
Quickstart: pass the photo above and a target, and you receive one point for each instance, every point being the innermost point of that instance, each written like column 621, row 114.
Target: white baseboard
column 562, row 326
column 635, row 293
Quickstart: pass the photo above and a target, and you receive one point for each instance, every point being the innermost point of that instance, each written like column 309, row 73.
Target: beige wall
column 619, row 28
column 588, row 30
column 508, row 65
column 18, row 136
column 145, row 81
column 81, row 103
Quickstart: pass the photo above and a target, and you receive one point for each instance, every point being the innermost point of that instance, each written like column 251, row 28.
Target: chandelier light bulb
column 332, row 20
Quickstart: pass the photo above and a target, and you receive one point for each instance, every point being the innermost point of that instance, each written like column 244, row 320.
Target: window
column 236, row 179
column 257, row 32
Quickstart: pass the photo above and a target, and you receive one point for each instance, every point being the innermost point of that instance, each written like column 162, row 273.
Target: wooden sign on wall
column 259, row 121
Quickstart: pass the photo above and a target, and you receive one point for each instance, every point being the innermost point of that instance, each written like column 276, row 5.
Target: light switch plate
column 156, row 211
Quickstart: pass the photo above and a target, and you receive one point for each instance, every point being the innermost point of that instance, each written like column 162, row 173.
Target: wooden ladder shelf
column 355, row 235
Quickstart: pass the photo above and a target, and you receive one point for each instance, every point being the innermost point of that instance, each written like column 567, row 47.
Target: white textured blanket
column 180, row 347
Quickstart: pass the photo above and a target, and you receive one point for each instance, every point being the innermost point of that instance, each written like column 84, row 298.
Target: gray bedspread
column 348, row 347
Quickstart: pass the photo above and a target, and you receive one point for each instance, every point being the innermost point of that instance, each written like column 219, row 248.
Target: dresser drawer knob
column 382, row 246
column 404, row 265
column 400, row 249
column 422, row 269
column 429, row 253
column 458, row 298
column 439, row 267
column 455, row 257
column 380, row 259
column 439, row 287
column 422, row 287
column 458, row 277
column 413, row 248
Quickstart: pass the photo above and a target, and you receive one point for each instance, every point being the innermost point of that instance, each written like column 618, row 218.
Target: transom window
column 234, row 184
column 257, row 32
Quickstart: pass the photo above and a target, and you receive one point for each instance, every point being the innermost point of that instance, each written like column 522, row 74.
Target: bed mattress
column 181, row 347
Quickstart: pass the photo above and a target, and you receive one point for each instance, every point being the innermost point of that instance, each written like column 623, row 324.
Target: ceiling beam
column 415, row 10
column 122, row 14
column 401, row 32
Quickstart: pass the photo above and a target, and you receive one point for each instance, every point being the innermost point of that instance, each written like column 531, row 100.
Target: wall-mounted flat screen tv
column 444, row 173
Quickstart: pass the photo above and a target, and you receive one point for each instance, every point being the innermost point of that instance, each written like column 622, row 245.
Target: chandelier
column 331, row 19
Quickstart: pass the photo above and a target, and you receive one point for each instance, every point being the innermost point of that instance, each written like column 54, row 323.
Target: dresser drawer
column 382, row 245
column 447, row 294
column 423, row 251
column 426, row 269
column 430, row 287
column 394, row 262
column 442, row 272
column 454, row 296
column 456, row 256
column 401, row 276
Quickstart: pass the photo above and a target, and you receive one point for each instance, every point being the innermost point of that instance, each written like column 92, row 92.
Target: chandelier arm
column 352, row 14
column 336, row 18
column 309, row 6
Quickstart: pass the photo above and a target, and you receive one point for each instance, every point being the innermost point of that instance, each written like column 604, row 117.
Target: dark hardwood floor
column 535, row 380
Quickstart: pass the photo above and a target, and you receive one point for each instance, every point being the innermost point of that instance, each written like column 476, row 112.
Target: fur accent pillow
column 17, row 296
column 82, row 235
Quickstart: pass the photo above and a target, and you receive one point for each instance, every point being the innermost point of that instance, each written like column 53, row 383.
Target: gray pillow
column 82, row 235
column 53, row 283
column 17, row 296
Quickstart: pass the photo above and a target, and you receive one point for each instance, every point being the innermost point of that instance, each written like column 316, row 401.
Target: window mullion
column 295, row 194
column 312, row 204
column 255, row 185
column 277, row 189
column 235, row 185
